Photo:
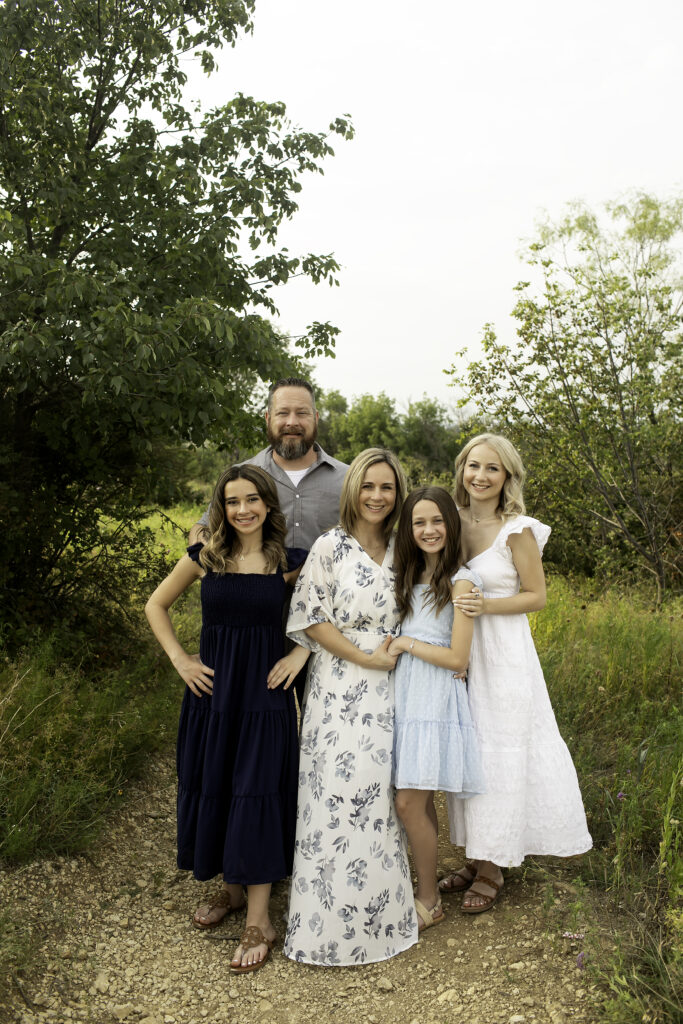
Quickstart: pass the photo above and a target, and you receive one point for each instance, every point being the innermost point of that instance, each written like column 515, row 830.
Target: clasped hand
column 471, row 604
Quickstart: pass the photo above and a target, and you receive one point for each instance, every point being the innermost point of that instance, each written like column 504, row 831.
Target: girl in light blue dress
column 435, row 745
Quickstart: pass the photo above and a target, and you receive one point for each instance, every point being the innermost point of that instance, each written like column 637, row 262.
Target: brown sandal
column 448, row 882
column 251, row 937
column 488, row 900
column 218, row 901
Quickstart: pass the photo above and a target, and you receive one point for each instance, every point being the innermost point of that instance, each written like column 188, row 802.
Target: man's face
column 292, row 422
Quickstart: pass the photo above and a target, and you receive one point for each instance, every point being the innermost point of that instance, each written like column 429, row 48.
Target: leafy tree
column 138, row 255
column 593, row 382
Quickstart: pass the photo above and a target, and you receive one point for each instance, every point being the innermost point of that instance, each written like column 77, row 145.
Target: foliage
column 593, row 383
column 138, row 257
column 80, row 715
column 613, row 669
column 426, row 437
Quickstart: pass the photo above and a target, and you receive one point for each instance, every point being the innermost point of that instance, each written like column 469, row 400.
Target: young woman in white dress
column 532, row 804
column 351, row 900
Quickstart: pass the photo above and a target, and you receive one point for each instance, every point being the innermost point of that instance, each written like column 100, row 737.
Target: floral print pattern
column 351, row 900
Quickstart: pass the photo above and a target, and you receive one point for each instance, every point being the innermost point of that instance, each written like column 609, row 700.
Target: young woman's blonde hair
column 349, row 503
column 511, row 501
column 223, row 545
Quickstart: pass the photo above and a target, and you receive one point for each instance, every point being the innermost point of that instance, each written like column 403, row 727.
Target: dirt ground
column 117, row 945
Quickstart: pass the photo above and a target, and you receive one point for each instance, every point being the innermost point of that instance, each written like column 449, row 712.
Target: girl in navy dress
column 237, row 753
column 435, row 746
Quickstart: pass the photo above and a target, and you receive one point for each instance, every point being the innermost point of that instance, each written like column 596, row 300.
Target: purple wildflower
column 581, row 961
column 621, row 796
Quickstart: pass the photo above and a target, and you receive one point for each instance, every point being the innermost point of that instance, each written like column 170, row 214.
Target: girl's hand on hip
column 194, row 673
column 284, row 672
column 471, row 604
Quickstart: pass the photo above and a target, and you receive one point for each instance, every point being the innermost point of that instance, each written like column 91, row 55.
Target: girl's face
column 245, row 509
column 377, row 494
column 429, row 528
column 484, row 474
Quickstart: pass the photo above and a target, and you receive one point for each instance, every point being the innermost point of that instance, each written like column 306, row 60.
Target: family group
column 406, row 640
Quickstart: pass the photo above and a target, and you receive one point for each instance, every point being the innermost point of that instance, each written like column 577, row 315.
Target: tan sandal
column 457, row 881
column 219, row 901
column 428, row 918
column 252, row 937
column 488, row 900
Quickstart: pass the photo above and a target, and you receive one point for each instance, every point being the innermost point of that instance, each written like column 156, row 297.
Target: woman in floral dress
column 351, row 899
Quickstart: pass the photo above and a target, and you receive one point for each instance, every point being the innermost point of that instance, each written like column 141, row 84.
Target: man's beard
column 292, row 448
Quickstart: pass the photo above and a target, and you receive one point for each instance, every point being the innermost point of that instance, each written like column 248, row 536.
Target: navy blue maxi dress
column 238, row 752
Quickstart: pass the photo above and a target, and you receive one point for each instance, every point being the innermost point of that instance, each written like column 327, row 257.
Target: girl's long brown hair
column 409, row 561
column 223, row 545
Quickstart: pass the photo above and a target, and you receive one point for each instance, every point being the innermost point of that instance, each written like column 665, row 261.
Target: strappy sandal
column 219, row 901
column 427, row 917
column 448, row 882
column 252, row 937
column 488, row 900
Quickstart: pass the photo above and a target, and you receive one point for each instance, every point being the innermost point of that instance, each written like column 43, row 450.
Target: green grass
column 613, row 668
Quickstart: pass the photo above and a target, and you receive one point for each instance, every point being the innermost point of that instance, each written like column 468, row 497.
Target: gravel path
column 116, row 945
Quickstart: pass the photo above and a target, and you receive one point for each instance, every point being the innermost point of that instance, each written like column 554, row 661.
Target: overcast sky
column 472, row 120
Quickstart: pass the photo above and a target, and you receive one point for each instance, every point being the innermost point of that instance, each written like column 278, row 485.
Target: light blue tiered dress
column 435, row 744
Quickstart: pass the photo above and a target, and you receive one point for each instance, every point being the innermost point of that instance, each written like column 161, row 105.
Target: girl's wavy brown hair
column 511, row 502
column 409, row 560
column 222, row 546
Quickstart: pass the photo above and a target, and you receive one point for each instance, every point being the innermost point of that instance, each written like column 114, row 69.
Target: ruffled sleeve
column 295, row 558
column 193, row 551
column 540, row 531
column 312, row 600
column 464, row 573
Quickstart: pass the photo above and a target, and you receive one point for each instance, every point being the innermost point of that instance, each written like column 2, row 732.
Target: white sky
column 471, row 119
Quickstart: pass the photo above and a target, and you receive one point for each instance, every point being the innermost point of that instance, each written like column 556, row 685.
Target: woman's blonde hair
column 511, row 502
column 223, row 545
column 349, row 502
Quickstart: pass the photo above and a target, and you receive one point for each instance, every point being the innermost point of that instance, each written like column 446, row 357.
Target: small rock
column 265, row 1005
column 234, row 993
column 517, row 1018
column 122, row 1012
column 451, row 943
column 448, row 996
column 385, row 985
column 519, row 966
column 101, row 983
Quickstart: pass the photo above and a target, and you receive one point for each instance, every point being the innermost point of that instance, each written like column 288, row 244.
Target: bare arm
column 454, row 658
column 188, row 666
column 527, row 559
column 329, row 637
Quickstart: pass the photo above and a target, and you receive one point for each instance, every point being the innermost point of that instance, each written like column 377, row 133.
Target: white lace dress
column 351, row 899
column 532, row 803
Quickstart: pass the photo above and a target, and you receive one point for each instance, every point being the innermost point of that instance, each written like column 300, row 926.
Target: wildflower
column 621, row 796
column 573, row 935
column 581, row 961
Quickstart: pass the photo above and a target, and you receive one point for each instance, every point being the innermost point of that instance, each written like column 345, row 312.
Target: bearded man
column 308, row 480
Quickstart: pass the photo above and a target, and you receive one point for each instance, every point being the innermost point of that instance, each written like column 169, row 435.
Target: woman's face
column 429, row 528
column 245, row 509
column 484, row 474
column 377, row 494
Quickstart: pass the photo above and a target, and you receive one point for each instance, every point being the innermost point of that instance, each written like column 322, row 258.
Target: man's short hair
column 290, row 382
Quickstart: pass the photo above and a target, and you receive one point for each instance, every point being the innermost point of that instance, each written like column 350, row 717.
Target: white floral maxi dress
column 351, row 899
column 532, row 804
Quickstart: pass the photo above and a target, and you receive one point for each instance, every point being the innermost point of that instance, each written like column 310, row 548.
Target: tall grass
column 80, row 716
column 613, row 667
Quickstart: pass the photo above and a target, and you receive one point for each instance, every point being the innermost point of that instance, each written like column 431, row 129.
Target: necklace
column 482, row 519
